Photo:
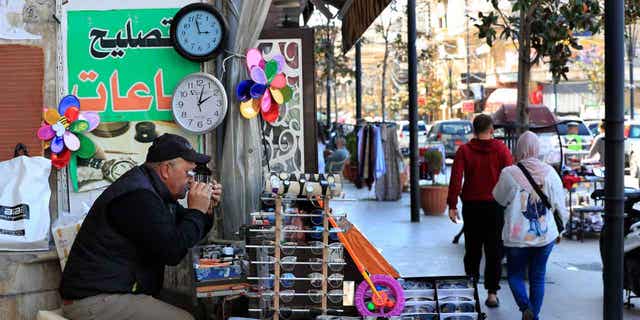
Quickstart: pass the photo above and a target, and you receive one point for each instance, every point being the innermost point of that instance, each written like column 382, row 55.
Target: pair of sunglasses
column 423, row 308
column 454, row 285
column 416, row 285
column 459, row 317
column 288, row 263
column 464, row 307
column 420, row 317
column 418, row 299
column 455, row 299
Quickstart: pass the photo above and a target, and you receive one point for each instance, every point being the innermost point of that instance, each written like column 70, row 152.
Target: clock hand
column 207, row 98
column 198, row 27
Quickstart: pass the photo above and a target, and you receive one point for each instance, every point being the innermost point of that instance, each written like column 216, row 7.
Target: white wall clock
column 199, row 103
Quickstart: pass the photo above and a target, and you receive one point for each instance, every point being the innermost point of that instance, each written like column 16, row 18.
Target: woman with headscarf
column 529, row 230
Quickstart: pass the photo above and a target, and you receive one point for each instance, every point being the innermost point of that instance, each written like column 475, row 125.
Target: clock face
column 198, row 31
column 199, row 103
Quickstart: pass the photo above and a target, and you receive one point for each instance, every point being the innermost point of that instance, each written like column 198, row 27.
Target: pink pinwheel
column 266, row 90
column 63, row 129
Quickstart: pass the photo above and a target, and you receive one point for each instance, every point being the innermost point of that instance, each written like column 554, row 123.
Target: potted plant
column 433, row 195
column 351, row 167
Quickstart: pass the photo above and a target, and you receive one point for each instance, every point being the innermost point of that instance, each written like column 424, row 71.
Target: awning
column 500, row 97
column 356, row 15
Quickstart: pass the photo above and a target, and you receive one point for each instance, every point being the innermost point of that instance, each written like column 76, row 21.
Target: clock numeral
column 191, row 19
column 199, row 48
column 200, row 124
column 187, row 26
column 217, row 113
column 190, row 122
column 183, row 94
column 193, row 92
column 184, row 114
column 209, row 121
column 184, row 33
column 190, row 85
column 200, row 81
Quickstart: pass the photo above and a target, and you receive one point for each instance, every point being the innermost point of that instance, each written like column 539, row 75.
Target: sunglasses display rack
column 295, row 259
column 440, row 298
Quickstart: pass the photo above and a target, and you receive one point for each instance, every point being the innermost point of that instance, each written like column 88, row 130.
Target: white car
column 403, row 135
column 631, row 140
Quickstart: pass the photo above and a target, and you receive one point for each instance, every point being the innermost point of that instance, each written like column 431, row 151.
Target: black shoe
column 493, row 304
column 528, row 315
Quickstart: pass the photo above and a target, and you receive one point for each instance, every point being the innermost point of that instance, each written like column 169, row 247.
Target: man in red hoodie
column 480, row 161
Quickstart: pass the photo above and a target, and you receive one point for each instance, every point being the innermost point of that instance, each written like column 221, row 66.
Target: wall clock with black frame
column 198, row 32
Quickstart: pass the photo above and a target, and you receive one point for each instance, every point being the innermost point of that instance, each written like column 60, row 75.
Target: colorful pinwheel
column 63, row 129
column 266, row 90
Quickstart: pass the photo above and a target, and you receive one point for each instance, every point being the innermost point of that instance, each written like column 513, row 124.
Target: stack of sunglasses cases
column 446, row 298
column 217, row 263
column 300, row 293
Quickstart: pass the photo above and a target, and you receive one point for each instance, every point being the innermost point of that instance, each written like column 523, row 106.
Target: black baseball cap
column 170, row 146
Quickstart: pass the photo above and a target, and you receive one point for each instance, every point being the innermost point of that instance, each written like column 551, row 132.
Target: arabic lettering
column 138, row 97
column 132, row 101
column 102, row 47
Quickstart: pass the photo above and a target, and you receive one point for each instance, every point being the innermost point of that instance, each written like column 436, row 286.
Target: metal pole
column 466, row 16
column 614, row 160
column 631, row 82
column 358, row 83
column 450, row 88
column 328, row 89
column 413, row 110
column 555, row 94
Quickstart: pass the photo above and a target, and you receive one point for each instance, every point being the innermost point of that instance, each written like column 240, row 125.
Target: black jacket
column 131, row 232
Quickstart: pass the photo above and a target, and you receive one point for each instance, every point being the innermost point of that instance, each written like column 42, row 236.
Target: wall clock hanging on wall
column 199, row 103
column 198, row 32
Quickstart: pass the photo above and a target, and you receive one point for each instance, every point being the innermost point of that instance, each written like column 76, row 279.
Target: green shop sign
column 121, row 63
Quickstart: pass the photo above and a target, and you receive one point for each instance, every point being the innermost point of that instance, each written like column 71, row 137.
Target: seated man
column 336, row 158
column 573, row 141
column 133, row 230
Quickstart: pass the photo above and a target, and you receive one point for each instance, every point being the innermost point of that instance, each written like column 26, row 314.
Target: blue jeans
column 518, row 261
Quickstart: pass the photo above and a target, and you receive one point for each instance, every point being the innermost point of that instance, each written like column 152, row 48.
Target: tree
column 331, row 65
column 383, row 28
column 592, row 65
column 543, row 31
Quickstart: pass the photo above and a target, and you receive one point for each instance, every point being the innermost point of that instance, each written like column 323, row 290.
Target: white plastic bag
column 64, row 230
column 24, row 204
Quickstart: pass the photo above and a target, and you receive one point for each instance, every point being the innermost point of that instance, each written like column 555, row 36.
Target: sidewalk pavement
column 574, row 273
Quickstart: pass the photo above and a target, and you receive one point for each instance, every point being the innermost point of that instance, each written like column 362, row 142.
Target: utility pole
column 413, row 111
column 612, row 245
column 466, row 15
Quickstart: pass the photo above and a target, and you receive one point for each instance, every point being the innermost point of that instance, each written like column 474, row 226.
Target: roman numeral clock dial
column 199, row 103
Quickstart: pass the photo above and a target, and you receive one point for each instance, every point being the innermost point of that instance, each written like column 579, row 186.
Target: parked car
column 594, row 126
column 403, row 135
column 579, row 141
column 632, row 139
column 452, row 133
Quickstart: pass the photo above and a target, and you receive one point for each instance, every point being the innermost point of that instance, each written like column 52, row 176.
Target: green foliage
column 352, row 146
column 433, row 159
column 551, row 26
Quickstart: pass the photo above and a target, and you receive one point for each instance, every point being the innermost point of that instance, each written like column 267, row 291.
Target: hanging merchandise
column 266, row 90
column 388, row 186
column 372, row 164
column 63, row 131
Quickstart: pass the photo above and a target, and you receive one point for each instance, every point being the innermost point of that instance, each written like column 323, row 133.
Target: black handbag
column 543, row 197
